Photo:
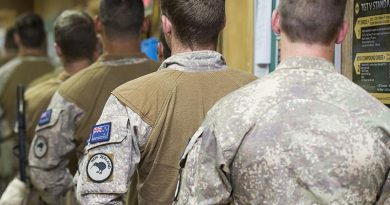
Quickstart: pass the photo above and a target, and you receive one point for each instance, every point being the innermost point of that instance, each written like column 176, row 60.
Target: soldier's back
column 24, row 72
column 89, row 89
column 304, row 132
column 173, row 103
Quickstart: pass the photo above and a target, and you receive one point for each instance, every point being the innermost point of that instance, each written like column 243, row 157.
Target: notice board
column 371, row 47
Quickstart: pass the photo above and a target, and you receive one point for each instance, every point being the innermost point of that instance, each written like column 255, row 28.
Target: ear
column 145, row 25
column 342, row 34
column 166, row 25
column 98, row 25
column 58, row 50
column 276, row 22
column 17, row 39
column 224, row 23
column 160, row 51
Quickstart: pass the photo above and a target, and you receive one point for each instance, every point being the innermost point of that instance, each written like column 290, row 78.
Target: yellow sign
column 370, row 21
column 375, row 57
column 383, row 97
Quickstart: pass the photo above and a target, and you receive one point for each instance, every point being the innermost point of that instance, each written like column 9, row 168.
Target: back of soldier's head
column 75, row 35
column 312, row 21
column 122, row 18
column 9, row 43
column 196, row 22
column 30, row 28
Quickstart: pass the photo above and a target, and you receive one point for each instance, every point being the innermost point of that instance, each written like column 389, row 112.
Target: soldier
column 147, row 122
column 30, row 64
column 10, row 47
column 63, row 129
column 302, row 135
column 76, row 46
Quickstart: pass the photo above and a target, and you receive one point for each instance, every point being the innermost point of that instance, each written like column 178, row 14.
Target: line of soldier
column 124, row 130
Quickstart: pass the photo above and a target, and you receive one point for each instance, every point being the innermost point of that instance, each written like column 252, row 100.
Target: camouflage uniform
column 74, row 108
column 151, row 120
column 302, row 135
column 20, row 70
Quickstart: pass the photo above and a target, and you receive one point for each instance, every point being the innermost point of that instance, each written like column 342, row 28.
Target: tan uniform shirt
column 145, row 126
column 74, row 108
column 302, row 135
column 20, row 70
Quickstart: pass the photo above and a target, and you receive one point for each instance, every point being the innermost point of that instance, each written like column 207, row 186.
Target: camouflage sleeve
column 385, row 192
column 112, row 155
column 204, row 175
column 51, row 145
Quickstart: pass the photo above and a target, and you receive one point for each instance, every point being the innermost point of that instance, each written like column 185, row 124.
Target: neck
column 177, row 47
column 31, row 52
column 73, row 67
column 129, row 46
column 290, row 49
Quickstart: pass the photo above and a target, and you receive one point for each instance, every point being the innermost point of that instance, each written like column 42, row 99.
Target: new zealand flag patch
column 45, row 118
column 100, row 133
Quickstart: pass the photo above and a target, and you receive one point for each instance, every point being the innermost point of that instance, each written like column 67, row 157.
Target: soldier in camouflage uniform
column 10, row 48
column 147, row 122
column 75, row 43
column 63, row 129
column 302, row 135
column 30, row 63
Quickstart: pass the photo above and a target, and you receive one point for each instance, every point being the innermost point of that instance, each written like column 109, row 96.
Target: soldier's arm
column 205, row 176
column 110, row 158
column 384, row 197
column 49, row 149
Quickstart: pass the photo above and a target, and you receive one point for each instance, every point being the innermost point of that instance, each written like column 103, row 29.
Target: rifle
column 21, row 123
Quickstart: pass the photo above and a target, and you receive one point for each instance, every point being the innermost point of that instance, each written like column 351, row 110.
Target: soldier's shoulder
column 242, row 75
column 82, row 78
column 148, row 83
column 42, row 86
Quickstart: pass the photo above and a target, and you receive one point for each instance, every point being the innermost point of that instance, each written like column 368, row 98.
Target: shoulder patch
column 45, row 117
column 100, row 133
column 99, row 168
column 40, row 147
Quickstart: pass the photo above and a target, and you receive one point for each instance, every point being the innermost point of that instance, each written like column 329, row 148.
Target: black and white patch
column 40, row 147
column 99, row 168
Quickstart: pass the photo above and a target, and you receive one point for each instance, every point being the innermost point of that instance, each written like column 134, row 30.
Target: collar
column 305, row 62
column 120, row 60
column 62, row 76
column 33, row 58
column 196, row 61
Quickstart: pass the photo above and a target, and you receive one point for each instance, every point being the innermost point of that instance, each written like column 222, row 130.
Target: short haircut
column 31, row 30
column 196, row 22
column 122, row 18
column 9, row 43
column 312, row 21
column 74, row 33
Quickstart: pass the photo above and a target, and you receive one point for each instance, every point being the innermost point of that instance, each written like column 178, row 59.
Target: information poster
column 371, row 47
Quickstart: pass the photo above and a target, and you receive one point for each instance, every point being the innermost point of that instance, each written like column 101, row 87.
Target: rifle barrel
column 21, row 119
